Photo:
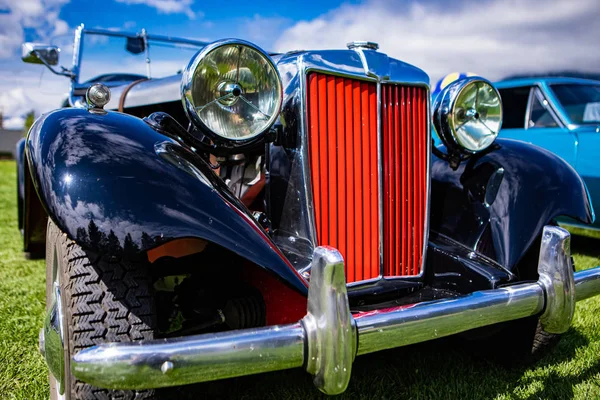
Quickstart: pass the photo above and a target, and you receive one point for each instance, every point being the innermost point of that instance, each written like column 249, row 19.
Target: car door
column 528, row 116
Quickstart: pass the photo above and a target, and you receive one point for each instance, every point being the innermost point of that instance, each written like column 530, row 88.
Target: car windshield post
column 540, row 114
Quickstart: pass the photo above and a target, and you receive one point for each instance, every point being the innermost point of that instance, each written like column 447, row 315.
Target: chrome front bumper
column 328, row 338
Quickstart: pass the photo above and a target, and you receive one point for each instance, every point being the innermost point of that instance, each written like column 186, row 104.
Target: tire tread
column 108, row 300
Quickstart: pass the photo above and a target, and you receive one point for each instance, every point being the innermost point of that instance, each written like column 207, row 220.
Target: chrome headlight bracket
column 467, row 115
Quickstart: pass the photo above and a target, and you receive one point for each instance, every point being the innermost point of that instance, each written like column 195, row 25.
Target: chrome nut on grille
column 556, row 277
column 329, row 325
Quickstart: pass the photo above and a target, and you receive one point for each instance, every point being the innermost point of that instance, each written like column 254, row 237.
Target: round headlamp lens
column 233, row 89
column 476, row 116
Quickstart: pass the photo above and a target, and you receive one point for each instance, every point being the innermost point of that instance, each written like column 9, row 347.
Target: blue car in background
column 561, row 115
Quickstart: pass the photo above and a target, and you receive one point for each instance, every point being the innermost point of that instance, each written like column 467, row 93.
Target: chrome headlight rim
column 222, row 142
column 443, row 114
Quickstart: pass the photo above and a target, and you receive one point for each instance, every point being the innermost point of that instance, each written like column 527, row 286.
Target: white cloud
column 42, row 16
column 168, row 6
column 493, row 38
column 24, row 88
column 262, row 30
column 11, row 35
column 60, row 28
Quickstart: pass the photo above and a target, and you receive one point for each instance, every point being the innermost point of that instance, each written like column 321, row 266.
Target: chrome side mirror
column 38, row 53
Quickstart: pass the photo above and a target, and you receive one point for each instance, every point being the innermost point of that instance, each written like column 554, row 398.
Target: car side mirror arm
column 63, row 72
column 47, row 55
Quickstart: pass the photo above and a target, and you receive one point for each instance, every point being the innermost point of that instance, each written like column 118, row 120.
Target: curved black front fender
column 498, row 202
column 112, row 183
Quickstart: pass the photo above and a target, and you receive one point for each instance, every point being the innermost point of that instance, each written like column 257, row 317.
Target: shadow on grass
column 558, row 383
column 449, row 368
column 586, row 245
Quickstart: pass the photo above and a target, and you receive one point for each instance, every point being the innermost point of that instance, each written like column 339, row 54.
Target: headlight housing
column 231, row 90
column 467, row 115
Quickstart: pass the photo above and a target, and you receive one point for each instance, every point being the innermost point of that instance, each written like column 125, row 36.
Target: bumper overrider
column 326, row 341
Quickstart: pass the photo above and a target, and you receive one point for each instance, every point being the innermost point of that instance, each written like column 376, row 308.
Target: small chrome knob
column 97, row 96
column 361, row 44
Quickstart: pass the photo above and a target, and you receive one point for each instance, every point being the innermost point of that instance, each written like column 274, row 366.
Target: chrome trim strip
column 304, row 149
column 439, row 318
column 75, row 101
column 528, row 108
column 157, row 38
column 77, row 52
column 428, row 177
column 587, row 283
column 340, row 74
column 380, row 181
column 190, row 359
column 539, row 94
column 53, row 332
column 555, row 104
column 54, row 341
column 325, row 341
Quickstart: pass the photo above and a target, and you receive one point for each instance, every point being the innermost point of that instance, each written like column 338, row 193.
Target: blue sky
column 493, row 38
column 215, row 19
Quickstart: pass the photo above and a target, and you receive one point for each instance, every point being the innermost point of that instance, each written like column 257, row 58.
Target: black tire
column 523, row 341
column 103, row 300
column 19, row 202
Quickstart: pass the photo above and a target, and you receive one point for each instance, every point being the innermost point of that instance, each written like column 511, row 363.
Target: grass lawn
column 443, row 369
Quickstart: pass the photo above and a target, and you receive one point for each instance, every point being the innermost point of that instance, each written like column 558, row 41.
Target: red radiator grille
column 342, row 132
column 404, row 125
column 342, row 120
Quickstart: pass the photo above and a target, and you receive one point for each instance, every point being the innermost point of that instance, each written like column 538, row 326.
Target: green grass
column 23, row 373
column 442, row 369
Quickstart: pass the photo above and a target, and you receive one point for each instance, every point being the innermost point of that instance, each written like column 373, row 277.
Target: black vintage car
column 259, row 212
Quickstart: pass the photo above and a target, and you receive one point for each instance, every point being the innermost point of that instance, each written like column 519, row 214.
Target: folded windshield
column 580, row 101
column 121, row 56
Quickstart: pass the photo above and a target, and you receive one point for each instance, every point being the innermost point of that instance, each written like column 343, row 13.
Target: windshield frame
column 81, row 32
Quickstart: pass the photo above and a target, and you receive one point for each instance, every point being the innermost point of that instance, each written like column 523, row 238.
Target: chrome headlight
column 467, row 115
column 232, row 91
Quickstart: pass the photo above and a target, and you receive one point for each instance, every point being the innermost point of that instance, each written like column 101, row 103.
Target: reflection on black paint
column 96, row 240
column 122, row 197
column 498, row 202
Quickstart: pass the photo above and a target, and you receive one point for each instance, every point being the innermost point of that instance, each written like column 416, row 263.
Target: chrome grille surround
column 296, row 231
